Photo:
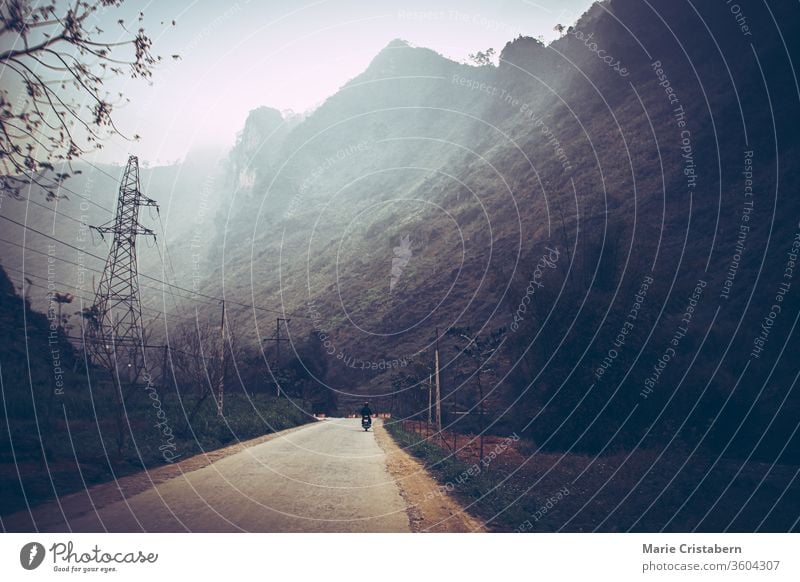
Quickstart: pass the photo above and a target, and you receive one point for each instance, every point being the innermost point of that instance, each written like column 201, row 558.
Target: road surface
column 330, row 476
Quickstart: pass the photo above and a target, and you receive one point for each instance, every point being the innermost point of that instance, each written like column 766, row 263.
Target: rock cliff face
column 262, row 134
column 643, row 159
column 623, row 150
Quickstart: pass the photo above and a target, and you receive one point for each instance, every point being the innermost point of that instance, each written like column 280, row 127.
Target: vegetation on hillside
column 486, row 169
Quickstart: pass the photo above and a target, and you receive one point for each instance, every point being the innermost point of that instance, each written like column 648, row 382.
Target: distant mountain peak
column 400, row 58
column 398, row 43
column 524, row 51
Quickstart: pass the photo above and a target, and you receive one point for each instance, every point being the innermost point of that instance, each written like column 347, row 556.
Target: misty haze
column 548, row 252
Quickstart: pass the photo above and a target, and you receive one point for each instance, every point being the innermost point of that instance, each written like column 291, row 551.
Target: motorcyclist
column 366, row 411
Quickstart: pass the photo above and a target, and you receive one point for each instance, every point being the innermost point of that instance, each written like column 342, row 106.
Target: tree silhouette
column 482, row 58
column 479, row 350
column 53, row 107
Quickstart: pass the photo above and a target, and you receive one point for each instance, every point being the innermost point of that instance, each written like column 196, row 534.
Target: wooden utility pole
column 438, row 390
column 453, row 421
column 430, row 396
column 430, row 404
column 220, row 401
column 165, row 365
column 278, row 339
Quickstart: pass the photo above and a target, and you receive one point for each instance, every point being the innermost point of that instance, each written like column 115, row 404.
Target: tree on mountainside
column 478, row 350
column 482, row 58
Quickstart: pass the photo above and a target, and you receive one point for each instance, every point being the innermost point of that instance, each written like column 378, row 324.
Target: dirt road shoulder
column 429, row 508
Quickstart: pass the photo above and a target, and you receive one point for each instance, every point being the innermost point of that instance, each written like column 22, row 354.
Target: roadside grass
column 501, row 502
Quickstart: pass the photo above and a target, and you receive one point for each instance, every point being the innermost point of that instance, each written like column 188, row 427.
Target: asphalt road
column 328, row 477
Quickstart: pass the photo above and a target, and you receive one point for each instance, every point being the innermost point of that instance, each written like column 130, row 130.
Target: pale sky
column 241, row 55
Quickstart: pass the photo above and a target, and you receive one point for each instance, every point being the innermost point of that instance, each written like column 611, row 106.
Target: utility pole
column 164, row 365
column 220, row 402
column 115, row 326
column 430, row 386
column 438, row 390
column 430, row 390
column 278, row 339
column 453, row 421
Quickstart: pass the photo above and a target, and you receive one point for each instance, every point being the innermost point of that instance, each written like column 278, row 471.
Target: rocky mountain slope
column 618, row 204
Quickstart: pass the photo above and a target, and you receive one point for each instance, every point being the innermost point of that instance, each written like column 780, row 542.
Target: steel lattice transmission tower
column 115, row 320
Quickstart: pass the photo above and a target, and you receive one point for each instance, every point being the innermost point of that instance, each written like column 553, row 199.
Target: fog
column 234, row 58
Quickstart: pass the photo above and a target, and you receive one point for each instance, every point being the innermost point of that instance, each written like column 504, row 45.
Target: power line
column 64, row 285
column 88, row 300
column 89, row 200
column 54, row 211
column 85, row 161
column 156, row 347
column 159, row 347
column 79, row 265
column 38, row 252
column 98, row 271
column 51, row 237
column 61, row 186
column 161, row 258
column 32, row 284
column 192, row 292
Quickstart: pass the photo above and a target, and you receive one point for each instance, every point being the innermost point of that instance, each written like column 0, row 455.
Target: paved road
column 329, row 476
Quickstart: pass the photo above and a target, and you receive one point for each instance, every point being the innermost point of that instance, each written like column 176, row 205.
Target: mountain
column 616, row 205
column 425, row 192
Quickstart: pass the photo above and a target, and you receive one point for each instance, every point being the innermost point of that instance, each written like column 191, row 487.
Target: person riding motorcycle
column 366, row 416
column 366, row 411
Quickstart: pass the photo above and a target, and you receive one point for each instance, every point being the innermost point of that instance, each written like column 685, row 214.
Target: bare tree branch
column 37, row 122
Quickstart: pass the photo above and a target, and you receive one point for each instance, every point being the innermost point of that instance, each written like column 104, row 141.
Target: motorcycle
column 366, row 422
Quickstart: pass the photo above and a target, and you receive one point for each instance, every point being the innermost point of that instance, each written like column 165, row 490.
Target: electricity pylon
column 115, row 320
